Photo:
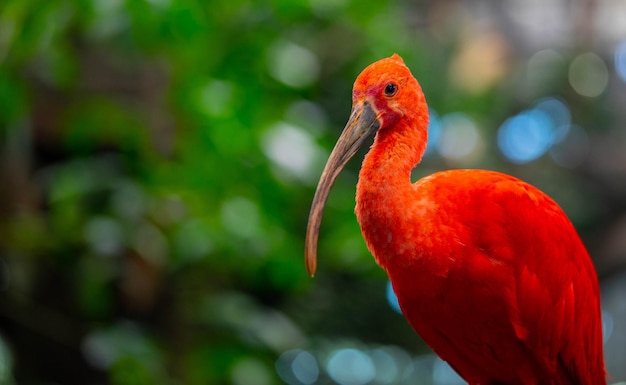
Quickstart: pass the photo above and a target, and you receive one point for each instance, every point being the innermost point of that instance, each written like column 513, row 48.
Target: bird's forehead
column 380, row 73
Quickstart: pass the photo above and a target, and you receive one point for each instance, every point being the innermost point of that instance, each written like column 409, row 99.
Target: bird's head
column 389, row 90
column 382, row 95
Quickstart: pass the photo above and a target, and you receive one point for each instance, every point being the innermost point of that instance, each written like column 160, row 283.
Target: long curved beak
column 362, row 124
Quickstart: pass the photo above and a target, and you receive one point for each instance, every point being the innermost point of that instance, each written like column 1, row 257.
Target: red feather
column 488, row 270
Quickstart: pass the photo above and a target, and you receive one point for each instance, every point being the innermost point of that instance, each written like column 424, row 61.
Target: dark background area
column 159, row 157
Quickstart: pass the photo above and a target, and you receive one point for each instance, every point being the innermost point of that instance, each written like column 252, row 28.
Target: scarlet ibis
column 488, row 269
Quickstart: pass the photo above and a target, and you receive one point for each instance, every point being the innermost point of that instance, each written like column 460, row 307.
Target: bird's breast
column 405, row 228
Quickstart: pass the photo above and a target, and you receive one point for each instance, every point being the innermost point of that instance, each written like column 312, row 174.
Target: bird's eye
column 391, row 89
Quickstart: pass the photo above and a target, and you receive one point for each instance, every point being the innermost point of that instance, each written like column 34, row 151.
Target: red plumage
column 487, row 268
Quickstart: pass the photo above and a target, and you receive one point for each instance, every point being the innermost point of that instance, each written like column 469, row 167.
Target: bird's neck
column 384, row 189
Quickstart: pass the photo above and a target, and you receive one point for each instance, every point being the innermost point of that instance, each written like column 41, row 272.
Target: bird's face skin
column 379, row 95
column 388, row 88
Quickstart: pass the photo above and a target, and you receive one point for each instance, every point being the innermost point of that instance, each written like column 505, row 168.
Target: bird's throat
column 385, row 189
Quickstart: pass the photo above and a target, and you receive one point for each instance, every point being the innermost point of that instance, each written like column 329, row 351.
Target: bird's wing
column 556, row 291
column 499, row 283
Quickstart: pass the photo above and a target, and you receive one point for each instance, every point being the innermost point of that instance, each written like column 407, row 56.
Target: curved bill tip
column 311, row 264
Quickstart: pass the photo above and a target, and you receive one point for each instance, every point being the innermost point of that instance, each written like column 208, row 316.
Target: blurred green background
column 159, row 158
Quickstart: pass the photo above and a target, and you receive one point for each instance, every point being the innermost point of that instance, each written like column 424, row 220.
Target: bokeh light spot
column 293, row 65
column 434, row 131
column 559, row 114
column 292, row 149
column 240, row 216
column 350, row 367
column 547, row 126
column 103, row 347
column 386, row 368
column 588, row 75
column 392, row 298
column 6, row 363
column 109, row 19
column 607, row 325
column 216, row 98
column 459, row 136
column 150, row 242
column 104, row 235
column 304, row 367
column 480, row 62
column 525, row 137
column 327, row 8
column 620, row 60
column 128, row 200
column 191, row 241
column 308, row 115
column 297, row 367
column 542, row 67
column 443, row 374
column 275, row 330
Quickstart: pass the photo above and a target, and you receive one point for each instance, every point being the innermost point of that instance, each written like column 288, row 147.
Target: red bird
column 488, row 270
